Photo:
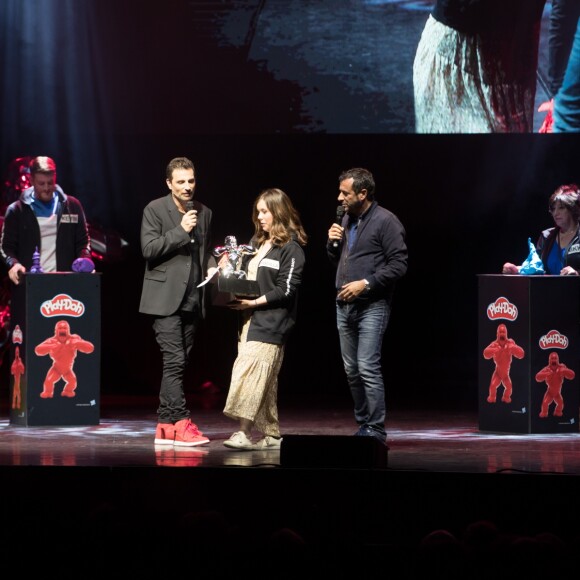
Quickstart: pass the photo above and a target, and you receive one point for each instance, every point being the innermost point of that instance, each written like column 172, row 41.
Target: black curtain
column 54, row 99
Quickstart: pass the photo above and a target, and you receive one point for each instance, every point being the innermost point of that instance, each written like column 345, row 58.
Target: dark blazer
column 166, row 248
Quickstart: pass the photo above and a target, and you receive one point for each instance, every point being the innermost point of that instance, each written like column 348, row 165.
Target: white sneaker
column 239, row 440
column 268, row 443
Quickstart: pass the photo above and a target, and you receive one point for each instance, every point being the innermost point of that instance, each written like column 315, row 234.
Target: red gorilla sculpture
column 17, row 370
column 62, row 348
column 501, row 351
column 553, row 375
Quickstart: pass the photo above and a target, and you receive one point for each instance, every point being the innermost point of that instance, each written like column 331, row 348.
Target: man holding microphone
column 175, row 242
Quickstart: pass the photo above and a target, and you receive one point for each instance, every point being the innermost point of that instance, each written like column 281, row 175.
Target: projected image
column 247, row 67
column 392, row 66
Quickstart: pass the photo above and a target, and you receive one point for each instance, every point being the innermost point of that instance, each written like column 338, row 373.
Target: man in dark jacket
column 371, row 254
column 47, row 221
column 175, row 241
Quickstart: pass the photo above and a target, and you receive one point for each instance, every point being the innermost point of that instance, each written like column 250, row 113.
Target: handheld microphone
column 340, row 211
column 188, row 207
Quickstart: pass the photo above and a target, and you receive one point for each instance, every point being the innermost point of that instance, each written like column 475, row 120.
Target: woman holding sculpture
column 266, row 321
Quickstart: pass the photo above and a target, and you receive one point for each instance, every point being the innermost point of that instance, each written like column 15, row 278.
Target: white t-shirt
column 48, row 236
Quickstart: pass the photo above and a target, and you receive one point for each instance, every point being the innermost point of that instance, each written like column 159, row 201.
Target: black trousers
column 174, row 335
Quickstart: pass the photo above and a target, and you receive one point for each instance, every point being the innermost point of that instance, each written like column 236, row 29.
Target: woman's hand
column 224, row 261
column 242, row 304
column 509, row 268
column 568, row 271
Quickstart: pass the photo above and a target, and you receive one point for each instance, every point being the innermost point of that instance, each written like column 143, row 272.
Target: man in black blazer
column 175, row 242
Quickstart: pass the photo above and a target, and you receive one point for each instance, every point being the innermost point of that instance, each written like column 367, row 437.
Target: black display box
column 55, row 351
column 540, row 316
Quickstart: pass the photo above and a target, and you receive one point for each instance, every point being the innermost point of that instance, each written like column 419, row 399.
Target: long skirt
column 461, row 85
column 253, row 389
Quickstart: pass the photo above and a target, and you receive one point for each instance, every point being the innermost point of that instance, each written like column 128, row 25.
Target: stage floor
column 419, row 440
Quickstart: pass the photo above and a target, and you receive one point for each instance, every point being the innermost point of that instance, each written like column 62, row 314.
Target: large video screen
column 339, row 66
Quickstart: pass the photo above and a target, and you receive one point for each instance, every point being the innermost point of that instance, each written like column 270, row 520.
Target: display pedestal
column 55, row 353
column 540, row 316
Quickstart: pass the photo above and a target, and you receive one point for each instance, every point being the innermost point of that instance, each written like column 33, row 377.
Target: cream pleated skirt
column 461, row 88
column 253, row 390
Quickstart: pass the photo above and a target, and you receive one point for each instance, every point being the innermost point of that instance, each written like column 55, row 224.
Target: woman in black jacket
column 266, row 321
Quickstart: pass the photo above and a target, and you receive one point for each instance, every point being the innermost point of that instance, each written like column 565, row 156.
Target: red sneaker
column 164, row 434
column 187, row 434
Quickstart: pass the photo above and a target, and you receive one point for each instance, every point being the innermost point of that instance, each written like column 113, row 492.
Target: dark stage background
column 113, row 90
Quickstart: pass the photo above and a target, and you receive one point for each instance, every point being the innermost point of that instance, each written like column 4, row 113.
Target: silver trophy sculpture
column 233, row 253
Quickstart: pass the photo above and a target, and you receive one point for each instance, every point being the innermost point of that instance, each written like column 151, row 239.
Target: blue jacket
column 379, row 253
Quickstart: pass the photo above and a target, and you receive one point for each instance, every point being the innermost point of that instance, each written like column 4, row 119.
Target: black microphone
column 339, row 213
column 188, row 207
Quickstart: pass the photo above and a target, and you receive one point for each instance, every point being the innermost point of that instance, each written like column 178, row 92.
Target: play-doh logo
column 553, row 339
column 62, row 305
column 17, row 335
column 502, row 309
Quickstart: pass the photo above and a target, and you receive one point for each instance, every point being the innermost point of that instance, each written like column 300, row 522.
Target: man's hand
column 548, row 122
column 15, row 273
column 335, row 232
column 189, row 220
column 351, row 290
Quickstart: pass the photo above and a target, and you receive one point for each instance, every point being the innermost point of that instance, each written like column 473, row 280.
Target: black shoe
column 366, row 431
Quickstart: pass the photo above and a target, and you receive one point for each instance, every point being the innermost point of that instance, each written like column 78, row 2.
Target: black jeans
column 174, row 335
